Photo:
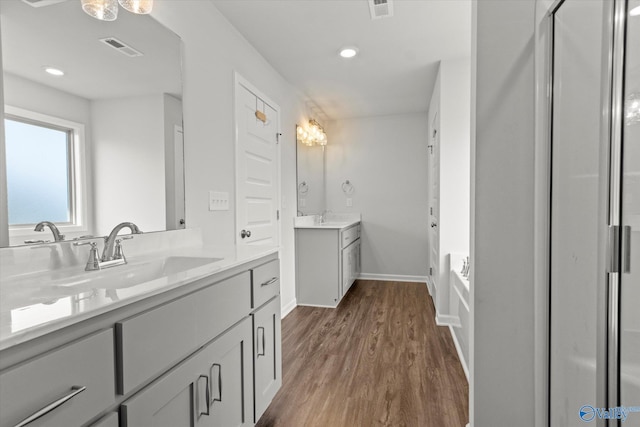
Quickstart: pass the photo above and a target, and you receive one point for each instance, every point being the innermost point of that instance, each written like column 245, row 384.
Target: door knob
column 245, row 233
column 433, row 224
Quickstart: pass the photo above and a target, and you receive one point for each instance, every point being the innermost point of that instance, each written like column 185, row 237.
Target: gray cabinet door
column 169, row 401
column 227, row 362
column 267, row 355
column 211, row 388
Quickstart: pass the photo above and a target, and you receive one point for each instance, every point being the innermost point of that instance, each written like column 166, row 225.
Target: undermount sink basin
column 134, row 273
column 118, row 277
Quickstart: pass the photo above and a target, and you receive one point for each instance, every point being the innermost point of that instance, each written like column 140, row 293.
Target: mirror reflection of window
column 38, row 172
column 45, row 171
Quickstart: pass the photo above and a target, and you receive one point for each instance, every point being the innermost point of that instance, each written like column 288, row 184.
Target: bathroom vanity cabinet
column 206, row 354
column 328, row 261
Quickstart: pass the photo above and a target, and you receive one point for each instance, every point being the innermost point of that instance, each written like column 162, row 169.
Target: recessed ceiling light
column 54, row 71
column 635, row 11
column 348, row 52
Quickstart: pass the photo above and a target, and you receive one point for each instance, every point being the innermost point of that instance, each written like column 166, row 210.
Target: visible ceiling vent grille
column 381, row 8
column 121, row 47
column 41, row 3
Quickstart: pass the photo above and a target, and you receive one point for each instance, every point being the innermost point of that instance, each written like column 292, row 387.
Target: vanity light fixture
column 54, row 71
column 313, row 134
column 141, row 7
column 348, row 52
column 107, row 10
column 104, row 10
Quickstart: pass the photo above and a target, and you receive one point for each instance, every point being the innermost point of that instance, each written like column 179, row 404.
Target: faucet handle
column 118, row 253
column 92, row 263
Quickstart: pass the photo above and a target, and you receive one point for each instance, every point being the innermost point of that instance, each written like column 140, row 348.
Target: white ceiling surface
column 63, row 36
column 396, row 68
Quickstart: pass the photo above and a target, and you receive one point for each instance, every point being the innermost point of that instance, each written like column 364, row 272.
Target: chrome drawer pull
column 219, row 398
column 263, row 352
column 206, row 396
column 270, row 281
column 53, row 405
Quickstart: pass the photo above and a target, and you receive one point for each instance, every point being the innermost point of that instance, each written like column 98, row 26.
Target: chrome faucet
column 112, row 250
column 323, row 217
column 56, row 233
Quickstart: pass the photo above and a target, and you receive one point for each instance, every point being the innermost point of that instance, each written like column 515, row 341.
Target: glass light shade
column 104, row 10
column 141, row 7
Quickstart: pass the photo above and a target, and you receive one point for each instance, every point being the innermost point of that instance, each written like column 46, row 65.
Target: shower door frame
column 612, row 101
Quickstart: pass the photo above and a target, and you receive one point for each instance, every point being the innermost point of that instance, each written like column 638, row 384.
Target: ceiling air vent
column 121, row 47
column 381, row 8
column 41, row 3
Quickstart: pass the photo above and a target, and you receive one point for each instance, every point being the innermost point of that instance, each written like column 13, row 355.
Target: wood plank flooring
column 377, row 360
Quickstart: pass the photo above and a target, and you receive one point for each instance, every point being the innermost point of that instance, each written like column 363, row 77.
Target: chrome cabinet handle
column 53, row 405
column 270, row 281
column 217, row 365
column 206, row 396
column 261, row 353
column 245, row 233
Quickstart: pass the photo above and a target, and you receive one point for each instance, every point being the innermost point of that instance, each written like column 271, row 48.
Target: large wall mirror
column 310, row 178
column 101, row 144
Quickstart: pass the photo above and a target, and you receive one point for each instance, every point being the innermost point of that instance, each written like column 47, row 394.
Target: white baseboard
column 317, row 305
column 288, row 308
column 463, row 362
column 447, row 320
column 430, row 286
column 392, row 277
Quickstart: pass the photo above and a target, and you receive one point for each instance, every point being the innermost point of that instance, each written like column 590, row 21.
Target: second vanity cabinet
column 209, row 356
column 328, row 261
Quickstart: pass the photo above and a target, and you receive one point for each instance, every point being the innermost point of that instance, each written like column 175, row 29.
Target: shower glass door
column 576, row 282
column 630, row 223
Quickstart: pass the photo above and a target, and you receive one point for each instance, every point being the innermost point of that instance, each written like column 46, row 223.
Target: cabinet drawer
column 349, row 235
column 153, row 341
column 265, row 283
column 32, row 386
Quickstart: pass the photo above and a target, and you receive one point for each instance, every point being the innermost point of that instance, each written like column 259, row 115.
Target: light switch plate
column 349, row 202
column 218, row 201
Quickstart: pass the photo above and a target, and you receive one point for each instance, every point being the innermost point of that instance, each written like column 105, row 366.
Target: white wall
column 129, row 178
column 213, row 50
column 385, row 159
column 502, row 252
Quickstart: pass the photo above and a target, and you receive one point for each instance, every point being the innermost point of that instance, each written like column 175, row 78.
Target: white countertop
column 35, row 303
column 332, row 222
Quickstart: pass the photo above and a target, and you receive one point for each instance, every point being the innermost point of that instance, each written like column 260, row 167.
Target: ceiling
column 395, row 70
column 61, row 35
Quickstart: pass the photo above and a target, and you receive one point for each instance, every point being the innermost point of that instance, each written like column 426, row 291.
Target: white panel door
column 178, row 168
column 256, row 169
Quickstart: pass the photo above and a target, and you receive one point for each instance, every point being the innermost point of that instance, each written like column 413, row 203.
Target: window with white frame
column 44, row 167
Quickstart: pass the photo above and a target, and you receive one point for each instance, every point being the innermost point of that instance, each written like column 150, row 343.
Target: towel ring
column 303, row 187
column 347, row 187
